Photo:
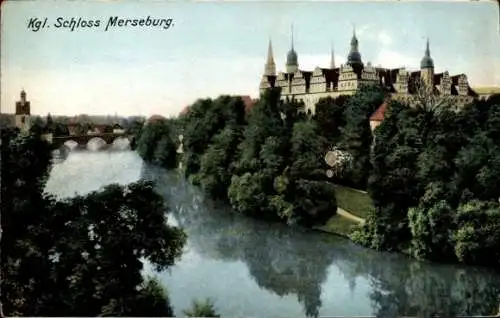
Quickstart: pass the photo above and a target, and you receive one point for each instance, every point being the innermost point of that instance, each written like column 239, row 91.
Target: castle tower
column 292, row 62
column 354, row 57
column 427, row 68
column 270, row 67
column 22, row 117
column 332, row 59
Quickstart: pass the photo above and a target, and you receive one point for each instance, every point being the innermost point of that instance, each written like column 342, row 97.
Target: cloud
column 384, row 38
column 371, row 32
column 393, row 59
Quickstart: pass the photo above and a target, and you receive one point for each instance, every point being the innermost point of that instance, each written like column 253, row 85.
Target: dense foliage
column 156, row 144
column 357, row 135
column 204, row 308
column 432, row 172
column 267, row 163
column 80, row 256
column 435, row 183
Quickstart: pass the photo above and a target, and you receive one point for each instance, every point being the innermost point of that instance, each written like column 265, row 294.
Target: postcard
column 250, row 158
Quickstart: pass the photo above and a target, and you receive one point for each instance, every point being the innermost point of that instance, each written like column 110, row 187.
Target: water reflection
column 258, row 269
column 319, row 269
column 96, row 144
column 120, row 143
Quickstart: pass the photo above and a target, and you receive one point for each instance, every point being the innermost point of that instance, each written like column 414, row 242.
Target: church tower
column 292, row 62
column 23, row 120
column 427, row 68
column 270, row 68
column 354, row 57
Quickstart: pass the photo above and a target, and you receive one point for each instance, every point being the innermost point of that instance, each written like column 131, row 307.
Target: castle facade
column 310, row 86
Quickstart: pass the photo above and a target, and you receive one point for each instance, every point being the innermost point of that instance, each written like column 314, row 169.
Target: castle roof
column 292, row 58
column 379, row 114
column 354, row 57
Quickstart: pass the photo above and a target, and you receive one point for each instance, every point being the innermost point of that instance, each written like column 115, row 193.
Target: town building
column 310, row 86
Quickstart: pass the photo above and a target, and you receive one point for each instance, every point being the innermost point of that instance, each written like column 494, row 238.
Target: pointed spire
column 270, row 67
column 427, row 50
column 332, row 60
column 270, row 57
column 292, row 61
column 354, row 39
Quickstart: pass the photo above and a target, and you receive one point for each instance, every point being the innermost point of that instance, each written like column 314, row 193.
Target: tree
column 477, row 236
column 330, row 116
column 206, row 119
column 247, row 195
column 426, row 98
column 313, row 197
column 165, row 153
column 431, row 224
column 37, row 126
column 281, row 172
column 393, row 184
column 217, row 162
column 265, row 120
column 434, row 181
column 80, row 256
column 151, row 147
column 357, row 135
column 201, row 309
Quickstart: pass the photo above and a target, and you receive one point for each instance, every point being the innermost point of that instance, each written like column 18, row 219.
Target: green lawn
column 338, row 225
column 353, row 201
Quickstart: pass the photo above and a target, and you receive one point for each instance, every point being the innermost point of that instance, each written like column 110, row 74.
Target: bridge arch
column 121, row 143
column 96, row 143
column 70, row 144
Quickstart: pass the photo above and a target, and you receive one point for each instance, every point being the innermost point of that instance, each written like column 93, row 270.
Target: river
column 251, row 268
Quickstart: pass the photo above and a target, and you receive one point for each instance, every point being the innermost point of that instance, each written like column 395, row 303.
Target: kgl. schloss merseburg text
column 72, row 24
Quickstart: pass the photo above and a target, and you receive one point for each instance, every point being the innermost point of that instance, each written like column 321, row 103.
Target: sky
column 214, row 48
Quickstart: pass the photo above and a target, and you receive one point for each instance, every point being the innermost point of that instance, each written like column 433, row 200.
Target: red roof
column 379, row 114
column 249, row 102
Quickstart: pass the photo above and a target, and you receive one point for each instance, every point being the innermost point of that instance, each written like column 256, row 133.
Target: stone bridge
column 82, row 140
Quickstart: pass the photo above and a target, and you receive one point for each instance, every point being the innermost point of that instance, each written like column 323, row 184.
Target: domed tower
column 354, row 57
column 427, row 67
column 292, row 60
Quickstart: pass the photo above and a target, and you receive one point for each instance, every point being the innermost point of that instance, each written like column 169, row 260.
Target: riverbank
column 270, row 269
column 352, row 207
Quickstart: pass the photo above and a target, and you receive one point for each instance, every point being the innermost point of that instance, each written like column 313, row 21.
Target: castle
column 310, row 86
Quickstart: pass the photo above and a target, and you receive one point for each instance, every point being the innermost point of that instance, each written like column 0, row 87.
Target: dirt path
column 349, row 215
